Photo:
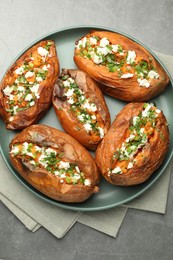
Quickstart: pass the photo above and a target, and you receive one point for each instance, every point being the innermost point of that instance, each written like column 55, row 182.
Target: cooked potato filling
column 51, row 160
column 82, row 107
column 23, row 92
column 124, row 62
column 139, row 133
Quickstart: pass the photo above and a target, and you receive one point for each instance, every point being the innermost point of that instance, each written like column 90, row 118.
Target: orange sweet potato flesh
column 32, row 114
column 69, row 120
column 48, row 183
column 126, row 89
column 153, row 153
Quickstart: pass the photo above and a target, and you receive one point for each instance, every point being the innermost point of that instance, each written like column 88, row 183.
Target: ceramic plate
column 109, row 196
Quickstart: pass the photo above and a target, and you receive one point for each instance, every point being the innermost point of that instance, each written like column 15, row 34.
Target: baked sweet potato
column 54, row 163
column 80, row 107
column 26, row 89
column 135, row 145
column 124, row 68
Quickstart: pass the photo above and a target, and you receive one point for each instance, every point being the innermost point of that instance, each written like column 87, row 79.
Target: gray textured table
column 143, row 235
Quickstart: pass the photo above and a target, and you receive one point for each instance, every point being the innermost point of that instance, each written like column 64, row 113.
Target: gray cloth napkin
column 34, row 213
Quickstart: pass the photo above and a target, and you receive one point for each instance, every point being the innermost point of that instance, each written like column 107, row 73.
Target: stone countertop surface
column 143, row 235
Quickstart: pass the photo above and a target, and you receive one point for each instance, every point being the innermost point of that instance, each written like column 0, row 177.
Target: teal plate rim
column 86, row 206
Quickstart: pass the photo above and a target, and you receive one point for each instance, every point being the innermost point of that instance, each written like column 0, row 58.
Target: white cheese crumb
column 81, row 43
column 42, row 51
column 117, row 170
column 114, row 48
column 34, row 88
column 127, row 75
column 29, row 97
column 97, row 59
column 93, row 41
column 144, row 83
column 69, row 93
column 64, row 165
column 14, row 149
column 94, row 117
column 29, row 74
column 39, row 79
column 7, row 91
column 87, row 182
column 102, row 51
column 87, row 127
column 70, row 100
column 153, row 75
column 19, row 70
column 49, row 151
column 104, row 42
column 21, row 88
column 131, row 55
column 130, row 165
column 81, row 117
column 101, row 131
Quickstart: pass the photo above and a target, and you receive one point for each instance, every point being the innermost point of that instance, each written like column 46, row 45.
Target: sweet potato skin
column 120, row 88
column 154, row 153
column 31, row 115
column 46, row 182
column 69, row 122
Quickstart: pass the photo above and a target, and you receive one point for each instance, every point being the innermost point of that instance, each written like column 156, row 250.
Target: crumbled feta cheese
column 87, row 127
column 93, row 41
column 34, row 88
column 102, row 51
column 15, row 109
column 44, row 68
column 77, row 169
column 144, row 83
column 49, row 151
column 158, row 111
column 64, row 165
column 91, row 107
column 29, row 97
column 69, row 93
column 130, row 138
column 7, row 91
column 101, row 131
column 135, row 120
column 81, row 43
column 39, row 79
column 71, row 80
column 131, row 55
column 57, row 173
column 21, row 88
column 11, row 97
column 70, row 100
column 19, row 70
column 14, row 149
column 153, row 75
column 42, row 51
column 145, row 112
column 97, row 59
column 93, row 117
column 29, row 74
column 127, row 75
column 87, row 182
column 81, row 117
column 32, row 103
column 130, row 165
column 114, row 47
column 66, row 83
column 104, row 42
column 117, row 170
column 76, row 176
